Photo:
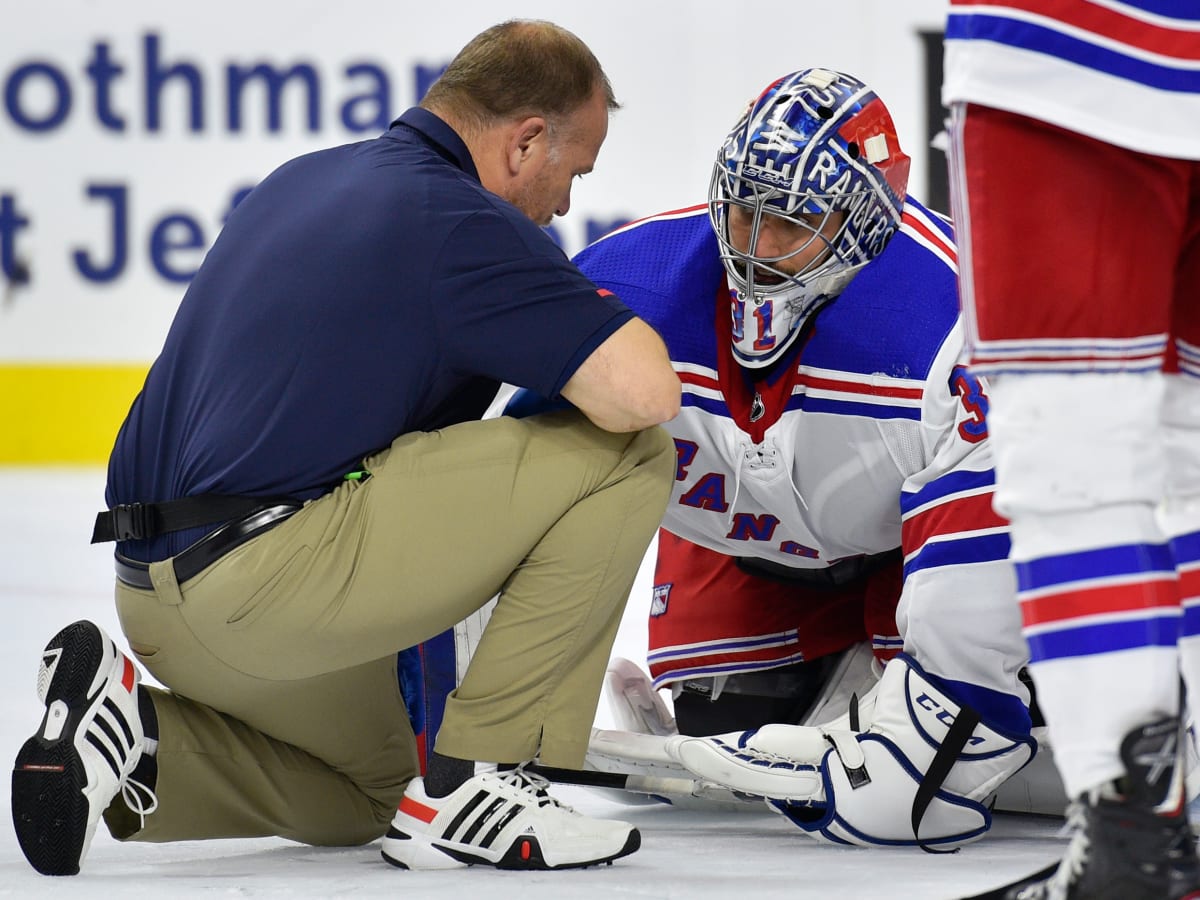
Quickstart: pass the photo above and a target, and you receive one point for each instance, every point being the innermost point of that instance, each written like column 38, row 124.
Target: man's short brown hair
column 516, row 69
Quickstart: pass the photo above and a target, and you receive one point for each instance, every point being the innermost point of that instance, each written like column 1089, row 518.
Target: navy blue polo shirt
column 357, row 294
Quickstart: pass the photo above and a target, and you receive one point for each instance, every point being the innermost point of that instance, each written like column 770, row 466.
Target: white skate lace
column 1071, row 868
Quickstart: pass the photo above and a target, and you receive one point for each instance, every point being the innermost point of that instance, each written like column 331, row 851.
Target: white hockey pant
column 1081, row 463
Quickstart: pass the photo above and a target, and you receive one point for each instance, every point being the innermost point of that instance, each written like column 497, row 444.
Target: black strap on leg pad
column 943, row 761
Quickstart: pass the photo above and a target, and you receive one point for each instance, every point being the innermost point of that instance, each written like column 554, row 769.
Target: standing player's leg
column 1067, row 295
column 1181, row 422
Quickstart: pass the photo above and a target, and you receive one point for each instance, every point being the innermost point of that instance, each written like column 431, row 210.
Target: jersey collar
column 444, row 138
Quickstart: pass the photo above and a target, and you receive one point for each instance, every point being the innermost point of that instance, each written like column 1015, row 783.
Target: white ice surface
column 50, row 576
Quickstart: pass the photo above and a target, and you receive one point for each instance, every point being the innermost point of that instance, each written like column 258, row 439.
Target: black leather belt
column 209, row 548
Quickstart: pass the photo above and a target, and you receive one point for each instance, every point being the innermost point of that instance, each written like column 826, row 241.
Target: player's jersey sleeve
column 958, row 613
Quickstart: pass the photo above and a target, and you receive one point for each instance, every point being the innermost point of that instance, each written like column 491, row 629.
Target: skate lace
column 140, row 798
column 1071, row 868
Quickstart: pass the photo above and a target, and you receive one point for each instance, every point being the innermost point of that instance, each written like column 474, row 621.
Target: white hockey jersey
column 869, row 437
column 1123, row 71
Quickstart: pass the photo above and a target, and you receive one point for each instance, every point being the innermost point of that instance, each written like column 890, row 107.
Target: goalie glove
column 918, row 775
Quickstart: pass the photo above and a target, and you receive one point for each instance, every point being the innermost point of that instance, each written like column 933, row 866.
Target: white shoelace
column 139, row 798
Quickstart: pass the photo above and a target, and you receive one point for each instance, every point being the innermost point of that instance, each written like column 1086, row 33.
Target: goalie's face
column 780, row 246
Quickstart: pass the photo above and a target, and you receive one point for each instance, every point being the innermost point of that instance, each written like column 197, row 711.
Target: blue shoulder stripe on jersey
column 1040, row 39
column 1088, row 565
column 708, row 404
column 1107, row 637
column 1191, row 620
column 1186, row 548
column 851, row 408
column 960, row 552
column 954, row 483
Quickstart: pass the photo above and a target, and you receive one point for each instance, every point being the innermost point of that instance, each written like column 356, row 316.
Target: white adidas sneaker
column 89, row 740
column 504, row 819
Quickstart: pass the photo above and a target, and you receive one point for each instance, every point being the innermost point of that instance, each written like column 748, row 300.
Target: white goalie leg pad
column 652, row 772
column 631, row 753
column 863, row 789
column 467, row 635
column 852, row 683
column 634, row 703
column 1037, row 789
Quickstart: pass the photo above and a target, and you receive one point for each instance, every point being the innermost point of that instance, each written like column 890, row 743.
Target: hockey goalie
column 833, row 607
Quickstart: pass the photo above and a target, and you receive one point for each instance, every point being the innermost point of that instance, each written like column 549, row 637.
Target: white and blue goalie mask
column 818, row 149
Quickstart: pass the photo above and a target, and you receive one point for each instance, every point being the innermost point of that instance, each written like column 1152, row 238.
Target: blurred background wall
column 129, row 128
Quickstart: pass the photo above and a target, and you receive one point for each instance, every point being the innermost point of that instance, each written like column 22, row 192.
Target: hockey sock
column 446, row 774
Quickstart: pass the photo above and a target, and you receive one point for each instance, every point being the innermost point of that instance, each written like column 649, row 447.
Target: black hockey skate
column 1130, row 840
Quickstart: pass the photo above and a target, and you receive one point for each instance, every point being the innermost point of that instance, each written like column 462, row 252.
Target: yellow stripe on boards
column 64, row 413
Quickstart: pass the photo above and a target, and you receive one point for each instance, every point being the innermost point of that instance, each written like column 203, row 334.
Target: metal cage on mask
column 816, row 144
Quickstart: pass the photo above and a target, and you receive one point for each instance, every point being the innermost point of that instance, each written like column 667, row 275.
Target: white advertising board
column 127, row 127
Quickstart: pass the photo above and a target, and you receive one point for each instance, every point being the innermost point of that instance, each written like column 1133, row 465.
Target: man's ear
column 527, row 140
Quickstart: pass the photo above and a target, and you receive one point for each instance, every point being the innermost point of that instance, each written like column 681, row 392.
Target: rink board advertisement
column 129, row 130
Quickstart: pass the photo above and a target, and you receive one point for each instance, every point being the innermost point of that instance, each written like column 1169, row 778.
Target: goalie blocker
column 917, row 774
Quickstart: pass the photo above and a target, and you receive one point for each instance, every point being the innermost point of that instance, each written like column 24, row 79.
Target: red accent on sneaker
column 128, row 676
column 416, row 809
column 524, row 849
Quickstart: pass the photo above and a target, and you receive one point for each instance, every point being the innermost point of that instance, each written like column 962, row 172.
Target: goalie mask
column 807, row 189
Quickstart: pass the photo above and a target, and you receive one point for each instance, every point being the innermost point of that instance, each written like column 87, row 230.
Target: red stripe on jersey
column 660, row 215
column 705, row 381
column 1189, row 584
column 1178, row 42
column 417, row 809
column 952, row 517
column 604, row 292
column 1074, row 604
column 855, row 387
column 932, row 235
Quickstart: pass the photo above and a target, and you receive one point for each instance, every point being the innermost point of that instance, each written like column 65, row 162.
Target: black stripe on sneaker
column 102, row 723
column 119, row 718
column 481, row 820
column 494, row 831
column 104, row 751
column 468, row 808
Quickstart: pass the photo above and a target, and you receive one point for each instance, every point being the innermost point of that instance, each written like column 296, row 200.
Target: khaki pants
column 284, row 715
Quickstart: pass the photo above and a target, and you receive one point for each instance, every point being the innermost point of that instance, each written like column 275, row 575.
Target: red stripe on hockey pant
column 1073, row 604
